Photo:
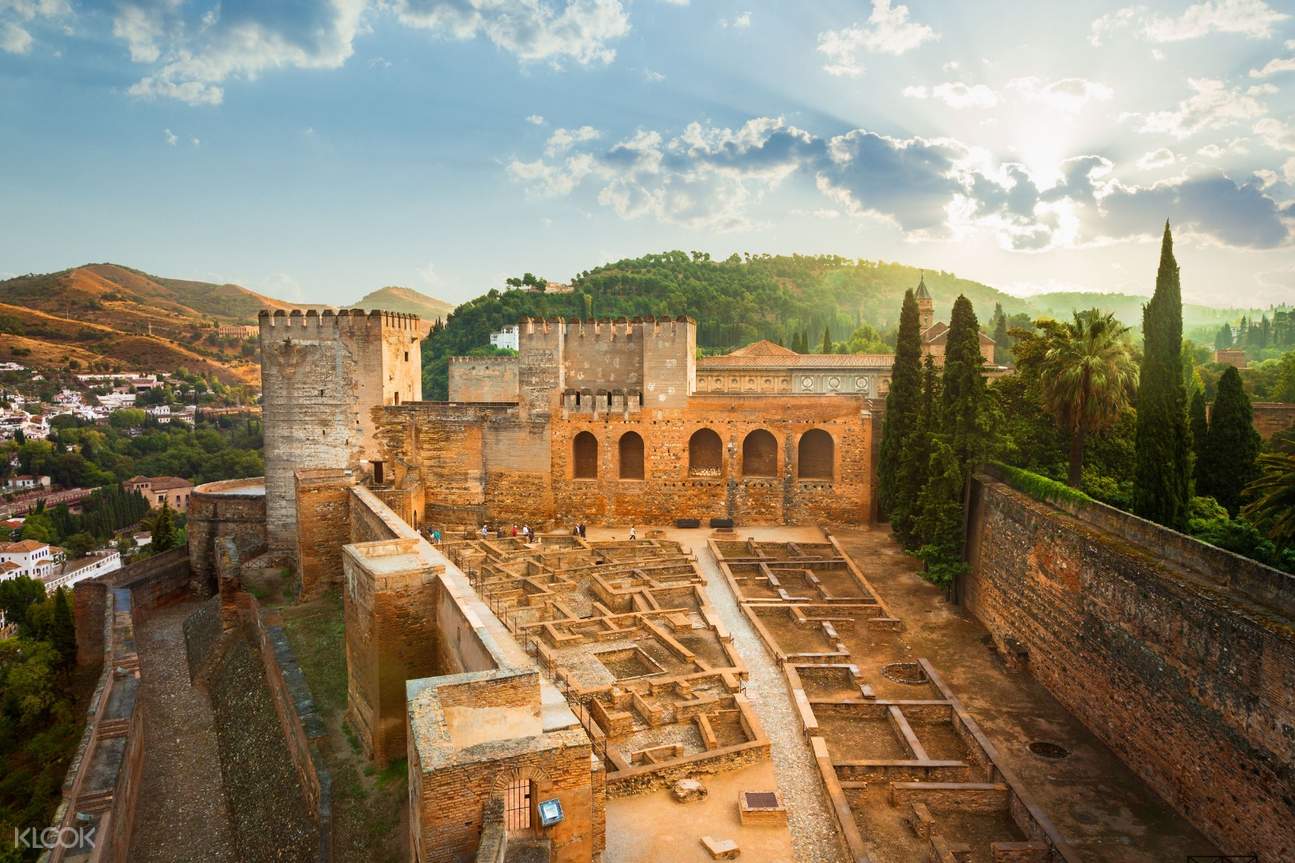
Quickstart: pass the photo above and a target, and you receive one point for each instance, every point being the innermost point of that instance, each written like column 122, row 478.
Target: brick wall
column 1181, row 657
column 483, row 379
column 503, row 464
column 323, row 509
column 1273, row 417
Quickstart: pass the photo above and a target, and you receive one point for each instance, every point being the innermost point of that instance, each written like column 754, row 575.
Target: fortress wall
column 1180, row 656
column 483, row 379
column 323, row 519
column 603, row 354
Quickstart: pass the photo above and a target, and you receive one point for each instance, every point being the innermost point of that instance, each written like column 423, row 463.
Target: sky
column 316, row 150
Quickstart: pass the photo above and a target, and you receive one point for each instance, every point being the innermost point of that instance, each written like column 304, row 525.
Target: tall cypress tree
column 914, row 459
column 1229, row 459
column 963, row 399
column 63, row 631
column 827, row 339
column 1199, row 428
column 901, row 401
column 1160, row 480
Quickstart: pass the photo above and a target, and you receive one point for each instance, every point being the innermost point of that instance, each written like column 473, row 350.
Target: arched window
column 760, row 454
column 705, row 454
column 631, row 456
column 584, row 456
column 816, row 456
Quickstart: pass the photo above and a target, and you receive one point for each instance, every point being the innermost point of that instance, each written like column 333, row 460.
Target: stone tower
column 321, row 375
column 925, row 305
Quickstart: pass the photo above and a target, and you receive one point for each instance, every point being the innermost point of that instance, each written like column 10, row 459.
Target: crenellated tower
column 321, row 376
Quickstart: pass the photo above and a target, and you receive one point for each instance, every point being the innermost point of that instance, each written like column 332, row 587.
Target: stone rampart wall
column 1181, row 657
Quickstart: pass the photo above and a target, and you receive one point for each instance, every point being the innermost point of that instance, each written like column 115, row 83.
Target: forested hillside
column 735, row 301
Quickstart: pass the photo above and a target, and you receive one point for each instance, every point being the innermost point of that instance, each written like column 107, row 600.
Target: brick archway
column 584, row 456
column 760, row 454
column 705, row 453
column 630, row 450
column 816, row 455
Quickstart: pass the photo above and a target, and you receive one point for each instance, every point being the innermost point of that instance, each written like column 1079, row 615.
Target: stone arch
column 816, row 455
column 510, row 775
column 584, row 456
column 630, row 449
column 705, row 453
column 760, row 454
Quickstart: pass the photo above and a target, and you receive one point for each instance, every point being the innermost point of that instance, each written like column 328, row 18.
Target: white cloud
column 196, row 142
column 1254, row 19
column 169, row 137
column 1274, row 66
column 535, row 120
column 741, row 21
column 1157, row 159
column 1066, row 94
column 14, row 39
column 956, row 94
column 564, row 139
column 1218, row 151
column 713, row 177
column 198, row 55
column 1212, row 105
column 379, row 63
column 652, row 76
column 887, row 31
column 577, row 30
column 951, row 66
column 1276, row 134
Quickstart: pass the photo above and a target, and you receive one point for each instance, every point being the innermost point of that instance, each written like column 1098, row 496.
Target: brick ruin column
column 389, row 609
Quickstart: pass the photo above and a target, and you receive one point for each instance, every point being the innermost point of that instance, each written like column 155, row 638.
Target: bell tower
column 925, row 304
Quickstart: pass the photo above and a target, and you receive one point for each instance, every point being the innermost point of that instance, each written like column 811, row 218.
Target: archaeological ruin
column 616, row 602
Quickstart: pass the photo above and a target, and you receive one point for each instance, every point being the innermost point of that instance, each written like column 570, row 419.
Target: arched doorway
column 631, row 456
column 760, row 454
column 584, row 456
column 705, row 454
column 816, row 456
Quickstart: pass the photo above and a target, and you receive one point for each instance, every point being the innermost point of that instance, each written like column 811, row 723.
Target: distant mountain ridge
column 399, row 299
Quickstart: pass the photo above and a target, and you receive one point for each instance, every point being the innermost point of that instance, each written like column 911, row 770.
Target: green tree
column 827, row 340
column 914, row 459
column 1087, row 376
column 1160, row 481
column 963, row 400
column 1199, row 426
column 939, row 524
column 63, row 631
column 1002, row 339
column 163, row 530
column 1229, row 459
column 1272, row 497
column 1223, row 339
column 902, row 403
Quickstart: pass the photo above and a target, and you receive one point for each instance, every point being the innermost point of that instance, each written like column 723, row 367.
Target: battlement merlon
column 329, row 323
column 610, row 328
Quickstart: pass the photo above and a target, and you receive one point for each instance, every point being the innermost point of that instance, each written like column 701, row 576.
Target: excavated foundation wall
column 1181, row 657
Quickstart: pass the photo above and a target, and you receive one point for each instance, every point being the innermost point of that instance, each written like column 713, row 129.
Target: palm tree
column 1088, row 375
column 1273, row 493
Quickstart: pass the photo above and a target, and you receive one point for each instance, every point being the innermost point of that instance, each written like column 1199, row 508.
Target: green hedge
column 1038, row 487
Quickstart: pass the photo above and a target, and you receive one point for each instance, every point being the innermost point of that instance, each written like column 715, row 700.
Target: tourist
column 633, row 533
column 514, row 531
column 485, row 531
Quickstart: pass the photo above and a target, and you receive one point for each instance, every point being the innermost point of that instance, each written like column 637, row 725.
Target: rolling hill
column 397, row 299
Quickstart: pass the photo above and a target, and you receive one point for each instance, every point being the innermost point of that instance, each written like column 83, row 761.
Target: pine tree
column 63, row 633
column 1223, row 340
column 1002, row 339
column 901, row 401
column 1199, row 429
column 939, row 522
column 827, row 340
column 963, row 395
column 163, row 530
column 1160, row 479
column 1230, row 456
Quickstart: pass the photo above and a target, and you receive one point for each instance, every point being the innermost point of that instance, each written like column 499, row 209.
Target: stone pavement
column 180, row 813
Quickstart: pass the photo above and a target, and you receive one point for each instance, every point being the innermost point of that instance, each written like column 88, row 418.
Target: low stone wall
column 102, row 782
column 1180, row 656
column 1271, row 418
column 151, row 583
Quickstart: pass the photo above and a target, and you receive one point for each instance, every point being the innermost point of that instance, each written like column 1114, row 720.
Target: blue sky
column 318, row 149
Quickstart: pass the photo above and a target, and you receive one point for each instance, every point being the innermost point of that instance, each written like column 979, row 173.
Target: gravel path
column 181, row 810
column 813, row 826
